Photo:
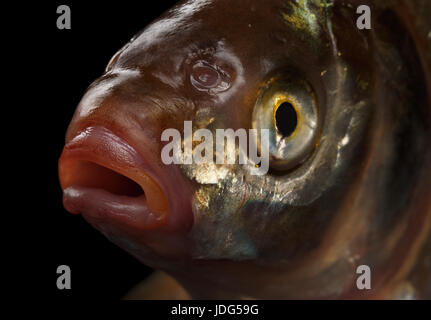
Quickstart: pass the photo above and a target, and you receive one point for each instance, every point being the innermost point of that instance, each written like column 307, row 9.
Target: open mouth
column 103, row 176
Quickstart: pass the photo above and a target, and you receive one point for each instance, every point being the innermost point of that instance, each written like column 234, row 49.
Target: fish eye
column 286, row 119
column 287, row 107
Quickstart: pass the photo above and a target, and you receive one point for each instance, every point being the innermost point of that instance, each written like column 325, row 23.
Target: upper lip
column 97, row 149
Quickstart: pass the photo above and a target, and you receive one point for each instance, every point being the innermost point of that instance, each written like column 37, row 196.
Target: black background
column 58, row 66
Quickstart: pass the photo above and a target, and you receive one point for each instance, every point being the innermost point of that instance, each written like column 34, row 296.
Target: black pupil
column 286, row 119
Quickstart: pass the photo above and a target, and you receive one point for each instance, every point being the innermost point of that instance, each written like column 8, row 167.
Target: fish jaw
column 105, row 179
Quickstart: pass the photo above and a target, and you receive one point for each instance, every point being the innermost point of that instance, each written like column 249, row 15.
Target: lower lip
column 99, row 205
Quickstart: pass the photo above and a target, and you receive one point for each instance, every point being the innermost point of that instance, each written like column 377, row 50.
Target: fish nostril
column 92, row 175
column 205, row 77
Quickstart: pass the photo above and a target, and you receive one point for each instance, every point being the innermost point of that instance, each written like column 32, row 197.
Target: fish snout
column 105, row 178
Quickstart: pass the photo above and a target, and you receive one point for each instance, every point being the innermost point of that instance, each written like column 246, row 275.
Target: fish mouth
column 104, row 177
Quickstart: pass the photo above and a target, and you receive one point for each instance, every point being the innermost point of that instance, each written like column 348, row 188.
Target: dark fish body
column 349, row 186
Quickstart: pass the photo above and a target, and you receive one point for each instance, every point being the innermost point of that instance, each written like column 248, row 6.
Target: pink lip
column 104, row 177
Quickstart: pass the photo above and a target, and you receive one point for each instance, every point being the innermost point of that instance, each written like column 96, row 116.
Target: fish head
column 314, row 96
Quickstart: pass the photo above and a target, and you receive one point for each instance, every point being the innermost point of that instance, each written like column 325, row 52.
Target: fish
column 347, row 115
